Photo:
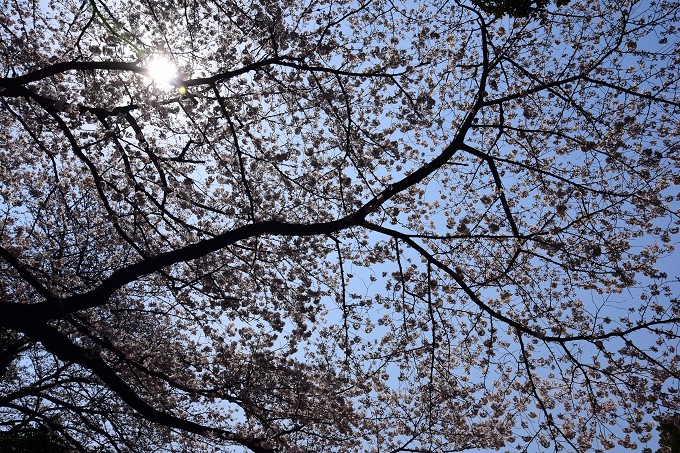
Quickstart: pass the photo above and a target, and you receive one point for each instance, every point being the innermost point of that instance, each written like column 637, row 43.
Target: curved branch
column 59, row 344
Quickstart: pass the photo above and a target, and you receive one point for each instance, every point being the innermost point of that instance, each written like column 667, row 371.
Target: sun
column 162, row 71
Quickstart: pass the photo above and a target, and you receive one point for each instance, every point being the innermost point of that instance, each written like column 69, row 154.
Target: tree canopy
column 30, row 441
column 669, row 428
column 348, row 225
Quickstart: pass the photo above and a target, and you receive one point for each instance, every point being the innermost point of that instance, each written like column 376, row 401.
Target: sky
column 362, row 280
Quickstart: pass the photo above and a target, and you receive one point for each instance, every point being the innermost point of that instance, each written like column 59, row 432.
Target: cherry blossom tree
column 309, row 226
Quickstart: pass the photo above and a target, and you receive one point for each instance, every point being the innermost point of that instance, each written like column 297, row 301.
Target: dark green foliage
column 30, row 441
column 670, row 436
column 516, row 8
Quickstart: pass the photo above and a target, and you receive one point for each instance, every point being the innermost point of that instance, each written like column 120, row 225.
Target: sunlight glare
column 162, row 71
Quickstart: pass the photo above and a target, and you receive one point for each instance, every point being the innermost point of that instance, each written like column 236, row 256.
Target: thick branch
column 57, row 343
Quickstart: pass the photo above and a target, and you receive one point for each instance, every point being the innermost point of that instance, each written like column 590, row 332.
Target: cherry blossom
column 339, row 226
